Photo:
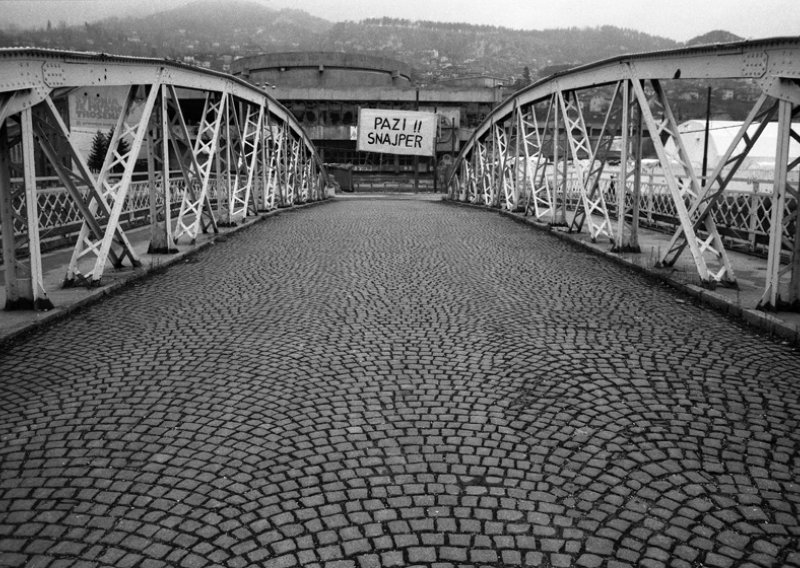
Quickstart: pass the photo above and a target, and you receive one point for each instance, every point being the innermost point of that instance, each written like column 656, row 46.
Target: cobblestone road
column 398, row 382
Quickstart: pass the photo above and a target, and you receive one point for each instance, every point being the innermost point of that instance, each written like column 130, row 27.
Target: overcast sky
column 676, row 19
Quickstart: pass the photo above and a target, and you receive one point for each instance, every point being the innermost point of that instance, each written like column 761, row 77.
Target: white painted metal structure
column 536, row 142
column 243, row 142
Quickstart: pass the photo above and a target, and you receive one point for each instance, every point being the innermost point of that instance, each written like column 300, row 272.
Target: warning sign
column 396, row 132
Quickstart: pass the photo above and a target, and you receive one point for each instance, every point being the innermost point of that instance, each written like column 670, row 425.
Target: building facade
column 326, row 90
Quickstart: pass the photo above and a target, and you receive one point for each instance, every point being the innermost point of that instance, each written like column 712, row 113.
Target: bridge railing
column 742, row 213
column 537, row 153
column 187, row 150
column 60, row 218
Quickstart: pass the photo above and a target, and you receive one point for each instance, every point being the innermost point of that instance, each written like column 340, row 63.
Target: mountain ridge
column 199, row 32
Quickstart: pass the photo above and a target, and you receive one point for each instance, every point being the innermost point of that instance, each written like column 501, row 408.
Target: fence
column 60, row 219
column 742, row 214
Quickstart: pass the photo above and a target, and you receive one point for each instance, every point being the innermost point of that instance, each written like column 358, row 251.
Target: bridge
column 394, row 380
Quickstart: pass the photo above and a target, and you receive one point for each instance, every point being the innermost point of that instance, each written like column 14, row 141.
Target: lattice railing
column 60, row 218
column 742, row 215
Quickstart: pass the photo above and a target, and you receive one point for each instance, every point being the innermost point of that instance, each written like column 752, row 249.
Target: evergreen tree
column 98, row 152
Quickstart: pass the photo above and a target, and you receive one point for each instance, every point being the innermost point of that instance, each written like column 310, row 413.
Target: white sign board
column 96, row 109
column 396, row 131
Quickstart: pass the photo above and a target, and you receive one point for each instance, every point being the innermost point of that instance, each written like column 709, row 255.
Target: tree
column 100, row 144
column 98, row 152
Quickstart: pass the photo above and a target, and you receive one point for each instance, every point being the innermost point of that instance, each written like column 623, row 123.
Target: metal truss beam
column 27, row 290
column 782, row 287
column 204, row 152
column 94, row 209
column 539, row 197
column 630, row 178
column 113, row 190
column 760, row 59
column 160, row 139
column 712, row 190
column 593, row 201
column 687, row 190
column 272, row 153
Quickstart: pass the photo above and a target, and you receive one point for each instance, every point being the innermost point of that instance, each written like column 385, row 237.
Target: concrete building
column 325, row 91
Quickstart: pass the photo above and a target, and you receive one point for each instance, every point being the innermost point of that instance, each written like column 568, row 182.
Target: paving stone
column 381, row 382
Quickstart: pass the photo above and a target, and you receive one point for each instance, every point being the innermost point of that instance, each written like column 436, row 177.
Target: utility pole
column 705, row 142
column 416, row 158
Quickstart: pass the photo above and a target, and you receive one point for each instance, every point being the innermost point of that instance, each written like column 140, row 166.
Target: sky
column 675, row 19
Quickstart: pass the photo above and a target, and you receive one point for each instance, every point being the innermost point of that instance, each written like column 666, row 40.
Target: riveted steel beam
column 30, row 78
column 113, row 189
column 592, row 206
column 782, row 286
column 630, row 173
column 204, row 152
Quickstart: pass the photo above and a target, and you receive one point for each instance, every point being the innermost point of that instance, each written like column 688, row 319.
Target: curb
column 763, row 321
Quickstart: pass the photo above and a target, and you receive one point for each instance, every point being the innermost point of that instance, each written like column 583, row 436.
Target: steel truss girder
column 32, row 73
column 772, row 64
column 24, row 283
column 538, row 192
column 204, row 154
column 293, row 172
column 160, row 137
column 272, row 166
column 596, row 165
column 760, row 59
column 504, row 165
column 33, row 77
column 245, row 159
column 683, row 193
column 709, row 194
column 627, row 235
column 113, row 192
column 483, row 172
column 592, row 201
column 784, row 237
column 94, row 209
column 474, row 190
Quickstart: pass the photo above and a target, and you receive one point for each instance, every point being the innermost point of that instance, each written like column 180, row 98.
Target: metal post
column 622, row 178
column 705, row 140
column 637, row 176
column 7, row 226
column 416, row 158
column 771, row 298
column 753, row 215
column 560, row 210
column 32, row 291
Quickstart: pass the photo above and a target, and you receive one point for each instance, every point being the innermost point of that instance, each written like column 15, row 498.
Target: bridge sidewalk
column 737, row 302
column 67, row 300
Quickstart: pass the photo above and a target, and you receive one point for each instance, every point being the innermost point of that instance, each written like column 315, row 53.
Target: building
column 325, row 91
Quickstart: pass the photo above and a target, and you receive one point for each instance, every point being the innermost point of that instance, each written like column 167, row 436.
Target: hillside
column 455, row 49
column 203, row 33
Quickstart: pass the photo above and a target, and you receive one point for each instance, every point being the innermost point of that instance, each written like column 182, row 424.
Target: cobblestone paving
column 398, row 382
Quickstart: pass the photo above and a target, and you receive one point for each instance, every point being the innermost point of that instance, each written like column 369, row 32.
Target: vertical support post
column 771, row 298
column 622, row 180
column 560, row 214
column 637, row 174
column 32, row 290
column 160, row 230
column 12, row 267
column 416, row 158
column 631, row 150
column 753, row 216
